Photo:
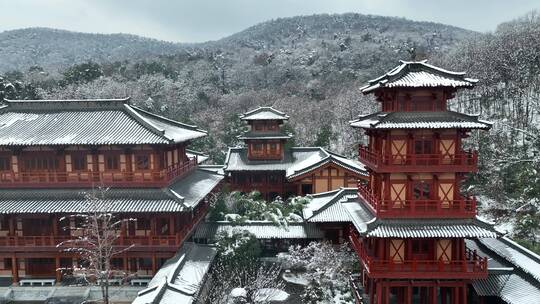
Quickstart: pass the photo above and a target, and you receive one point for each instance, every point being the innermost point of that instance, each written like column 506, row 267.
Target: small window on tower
column 258, row 147
column 423, row 146
column 273, row 147
column 4, row 164
column 422, row 190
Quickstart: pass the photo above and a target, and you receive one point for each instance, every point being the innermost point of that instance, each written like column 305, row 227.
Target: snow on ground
column 295, row 278
column 238, row 292
column 271, row 295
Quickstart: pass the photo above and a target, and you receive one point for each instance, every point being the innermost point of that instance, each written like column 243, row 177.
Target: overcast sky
column 202, row 20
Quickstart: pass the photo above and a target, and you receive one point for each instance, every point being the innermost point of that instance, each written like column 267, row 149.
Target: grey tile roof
column 420, row 120
column 194, row 187
column 513, row 275
column 264, row 113
column 261, row 230
column 179, row 280
column 264, row 135
column 188, row 192
column 417, row 74
column 515, row 254
column 367, row 224
column 297, row 161
column 87, row 122
column 327, row 206
column 201, row 157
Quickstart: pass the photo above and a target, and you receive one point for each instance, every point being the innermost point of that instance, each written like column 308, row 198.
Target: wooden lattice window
column 422, row 190
column 113, row 162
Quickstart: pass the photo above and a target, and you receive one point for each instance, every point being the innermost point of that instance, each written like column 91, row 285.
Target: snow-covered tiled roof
column 417, row 74
column 264, row 135
column 179, row 280
column 367, row 224
column 297, row 161
column 516, row 254
column 261, row 230
column 420, row 120
column 188, row 193
column 87, row 122
column 327, row 206
column 264, row 113
column 514, row 275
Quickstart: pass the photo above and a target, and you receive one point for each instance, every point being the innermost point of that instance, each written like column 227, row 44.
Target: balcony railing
column 460, row 162
column 413, row 208
column 473, row 266
column 161, row 178
column 356, row 288
column 53, row 241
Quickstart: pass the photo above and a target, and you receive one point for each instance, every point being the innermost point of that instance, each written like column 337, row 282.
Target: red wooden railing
column 472, row 266
column 464, row 160
column 153, row 240
column 161, row 178
column 457, row 208
column 356, row 288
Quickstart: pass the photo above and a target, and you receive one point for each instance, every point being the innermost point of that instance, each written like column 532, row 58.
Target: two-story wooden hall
column 53, row 152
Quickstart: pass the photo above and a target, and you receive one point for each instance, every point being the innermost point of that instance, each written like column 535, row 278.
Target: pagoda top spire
column 418, row 74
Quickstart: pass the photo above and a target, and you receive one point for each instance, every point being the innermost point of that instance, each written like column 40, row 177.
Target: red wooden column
column 58, row 270
column 434, row 294
column 379, row 292
column 14, row 269
column 409, row 294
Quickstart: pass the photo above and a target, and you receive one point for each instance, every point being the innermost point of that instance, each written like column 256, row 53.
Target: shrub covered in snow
column 327, row 267
column 236, row 207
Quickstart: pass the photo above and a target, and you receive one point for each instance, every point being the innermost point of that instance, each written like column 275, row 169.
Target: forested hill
column 54, row 49
column 311, row 68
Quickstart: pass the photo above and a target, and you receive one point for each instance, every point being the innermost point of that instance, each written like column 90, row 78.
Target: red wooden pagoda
column 266, row 165
column 52, row 152
column 411, row 219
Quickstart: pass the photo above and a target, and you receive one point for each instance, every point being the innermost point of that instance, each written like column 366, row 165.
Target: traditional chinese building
column 53, row 152
column 266, row 163
column 411, row 220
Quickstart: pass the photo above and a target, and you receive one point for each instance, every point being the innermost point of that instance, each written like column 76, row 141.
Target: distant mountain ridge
column 55, row 49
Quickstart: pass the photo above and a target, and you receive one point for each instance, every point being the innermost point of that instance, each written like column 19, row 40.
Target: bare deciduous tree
column 95, row 242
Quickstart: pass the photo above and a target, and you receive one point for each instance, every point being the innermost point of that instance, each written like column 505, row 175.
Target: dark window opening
column 79, row 162
column 257, row 178
column 422, row 190
column 142, row 162
column 143, row 224
column 423, row 146
column 145, row 263
column 113, row 162
column 307, row 189
column 420, row 246
column 41, row 163
column 8, row 263
column 273, row 178
column 5, row 164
